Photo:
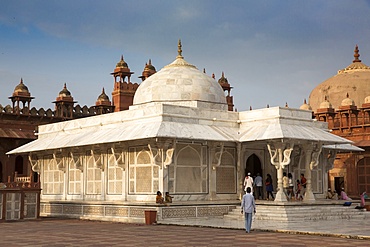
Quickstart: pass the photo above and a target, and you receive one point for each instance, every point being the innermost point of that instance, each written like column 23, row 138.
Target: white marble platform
column 357, row 226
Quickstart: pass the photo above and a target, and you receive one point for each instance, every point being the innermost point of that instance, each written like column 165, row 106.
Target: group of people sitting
column 167, row 199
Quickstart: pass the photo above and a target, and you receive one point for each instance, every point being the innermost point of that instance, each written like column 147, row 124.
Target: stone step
column 301, row 213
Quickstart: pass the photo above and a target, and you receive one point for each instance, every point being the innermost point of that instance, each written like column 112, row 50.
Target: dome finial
column 356, row 55
column 179, row 50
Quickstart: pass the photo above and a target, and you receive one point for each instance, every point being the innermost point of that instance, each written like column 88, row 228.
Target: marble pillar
column 280, row 157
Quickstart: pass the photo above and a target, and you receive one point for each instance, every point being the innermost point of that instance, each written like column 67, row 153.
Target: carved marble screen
column 188, row 173
column 143, row 175
column 53, row 178
column 226, row 172
column 115, row 176
column 93, row 177
column 74, row 179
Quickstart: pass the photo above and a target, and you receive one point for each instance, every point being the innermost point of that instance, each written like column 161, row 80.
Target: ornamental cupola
column 305, row 106
column 103, row 104
column 149, row 70
column 64, row 104
column 103, row 99
column 123, row 91
column 347, row 103
column 21, row 94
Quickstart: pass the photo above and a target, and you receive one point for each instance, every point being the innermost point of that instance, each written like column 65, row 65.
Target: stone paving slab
column 73, row 232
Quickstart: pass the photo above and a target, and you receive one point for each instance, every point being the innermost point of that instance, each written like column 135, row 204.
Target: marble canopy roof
column 158, row 120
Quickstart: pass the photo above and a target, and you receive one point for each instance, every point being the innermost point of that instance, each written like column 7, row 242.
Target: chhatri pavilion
column 178, row 136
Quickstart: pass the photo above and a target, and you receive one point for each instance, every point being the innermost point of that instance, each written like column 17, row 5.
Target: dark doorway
column 1, row 172
column 339, row 184
column 253, row 165
column 19, row 165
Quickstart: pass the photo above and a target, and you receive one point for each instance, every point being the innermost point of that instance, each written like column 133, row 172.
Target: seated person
column 343, row 195
column 335, row 195
column 168, row 198
column 330, row 194
column 159, row 198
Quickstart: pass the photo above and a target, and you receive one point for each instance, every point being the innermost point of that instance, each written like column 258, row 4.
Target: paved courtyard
column 73, row 232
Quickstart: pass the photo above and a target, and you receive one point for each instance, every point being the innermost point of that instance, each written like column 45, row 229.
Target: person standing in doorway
column 303, row 185
column 269, row 187
column 248, row 206
column 258, row 183
column 248, row 182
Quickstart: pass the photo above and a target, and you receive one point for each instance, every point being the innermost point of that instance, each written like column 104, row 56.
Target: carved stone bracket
column 76, row 159
column 162, row 153
column 35, row 164
column 331, row 157
column 280, row 154
column 58, row 159
column 119, row 158
column 155, row 155
column 169, row 154
column 316, row 151
column 97, row 159
column 218, row 150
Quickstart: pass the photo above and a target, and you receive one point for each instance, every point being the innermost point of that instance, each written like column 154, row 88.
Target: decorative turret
column 366, row 103
column 103, row 104
column 21, row 94
column 123, row 92
column 326, row 112
column 305, row 106
column 149, row 70
column 224, row 83
column 347, row 103
column 64, row 104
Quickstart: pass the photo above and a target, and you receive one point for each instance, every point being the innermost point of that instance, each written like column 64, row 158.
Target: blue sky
column 271, row 52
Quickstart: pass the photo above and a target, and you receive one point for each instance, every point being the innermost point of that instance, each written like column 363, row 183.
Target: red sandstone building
column 343, row 101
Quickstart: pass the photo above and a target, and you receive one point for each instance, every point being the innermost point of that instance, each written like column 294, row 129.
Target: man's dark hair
column 249, row 190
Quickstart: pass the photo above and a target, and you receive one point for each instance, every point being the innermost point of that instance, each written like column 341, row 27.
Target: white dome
column 179, row 83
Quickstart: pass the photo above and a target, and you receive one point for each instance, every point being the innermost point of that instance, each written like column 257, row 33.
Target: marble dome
column 180, row 83
column 354, row 80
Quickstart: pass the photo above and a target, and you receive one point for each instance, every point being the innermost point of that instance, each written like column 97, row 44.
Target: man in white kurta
column 248, row 182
